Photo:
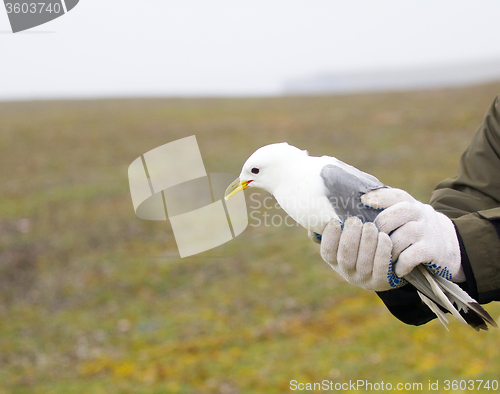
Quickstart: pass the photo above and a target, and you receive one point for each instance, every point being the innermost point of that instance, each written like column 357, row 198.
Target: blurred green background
column 96, row 300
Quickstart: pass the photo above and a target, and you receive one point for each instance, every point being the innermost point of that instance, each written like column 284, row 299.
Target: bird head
column 266, row 168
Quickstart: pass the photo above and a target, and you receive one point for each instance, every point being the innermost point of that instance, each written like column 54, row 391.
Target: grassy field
column 95, row 300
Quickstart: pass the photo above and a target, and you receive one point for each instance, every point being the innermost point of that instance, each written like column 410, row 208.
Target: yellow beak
column 235, row 187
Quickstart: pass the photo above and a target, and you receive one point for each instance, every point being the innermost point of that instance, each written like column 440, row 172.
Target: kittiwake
column 315, row 190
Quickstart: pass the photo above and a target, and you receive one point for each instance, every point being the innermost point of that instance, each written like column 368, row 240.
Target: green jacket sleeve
column 472, row 201
column 477, row 186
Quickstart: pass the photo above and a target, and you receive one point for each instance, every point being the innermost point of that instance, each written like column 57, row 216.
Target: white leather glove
column 419, row 234
column 359, row 253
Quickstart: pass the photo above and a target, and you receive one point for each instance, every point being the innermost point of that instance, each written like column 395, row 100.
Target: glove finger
column 349, row 244
column 385, row 197
column 367, row 249
column 406, row 235
column 382, row 261
column 330, row 242
column 394, row 217
column 313, row 237
column 410, row 258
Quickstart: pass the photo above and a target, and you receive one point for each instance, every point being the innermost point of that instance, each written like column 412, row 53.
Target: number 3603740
column 32, row 8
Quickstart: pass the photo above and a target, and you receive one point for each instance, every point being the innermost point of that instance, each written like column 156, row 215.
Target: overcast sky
column 235, row 47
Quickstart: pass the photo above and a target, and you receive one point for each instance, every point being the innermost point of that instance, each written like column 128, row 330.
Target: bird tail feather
column 439, row 291
column 466, row 301
column 433, row 307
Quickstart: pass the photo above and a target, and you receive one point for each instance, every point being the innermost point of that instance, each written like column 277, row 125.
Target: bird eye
column 255, row 170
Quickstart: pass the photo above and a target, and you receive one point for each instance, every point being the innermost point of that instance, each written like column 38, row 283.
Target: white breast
column 303, row 198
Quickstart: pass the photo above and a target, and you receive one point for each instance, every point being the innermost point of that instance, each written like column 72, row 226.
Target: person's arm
column 479, row 238
column 472, row 201
column 477, row 186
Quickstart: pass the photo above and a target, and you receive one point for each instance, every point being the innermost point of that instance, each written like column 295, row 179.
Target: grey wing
column 344, row 190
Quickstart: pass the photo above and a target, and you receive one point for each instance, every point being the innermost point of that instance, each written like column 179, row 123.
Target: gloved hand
column 359, row 253
column 419, row 234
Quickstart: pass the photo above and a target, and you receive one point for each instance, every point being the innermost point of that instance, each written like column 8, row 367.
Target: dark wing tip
column 482, row 314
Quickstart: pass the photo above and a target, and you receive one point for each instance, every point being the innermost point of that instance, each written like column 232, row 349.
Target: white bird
column 315, row 190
